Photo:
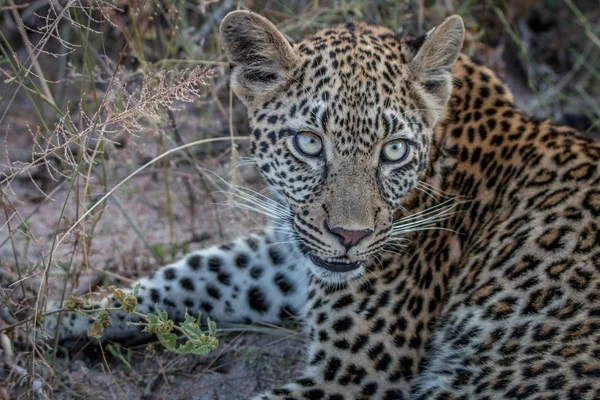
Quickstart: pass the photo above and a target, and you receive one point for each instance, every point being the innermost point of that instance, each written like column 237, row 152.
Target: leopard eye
column 395, row 151
column 308, row 143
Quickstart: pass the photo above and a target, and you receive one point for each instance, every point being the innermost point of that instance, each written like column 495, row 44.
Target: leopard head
column 341, row 125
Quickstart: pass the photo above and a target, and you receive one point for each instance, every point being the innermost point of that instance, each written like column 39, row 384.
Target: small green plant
column 125, row 358
column 193, row 339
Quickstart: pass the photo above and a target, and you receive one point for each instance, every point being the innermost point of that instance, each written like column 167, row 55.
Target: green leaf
column 168, row 339
column 194, row 340
column 212, row 327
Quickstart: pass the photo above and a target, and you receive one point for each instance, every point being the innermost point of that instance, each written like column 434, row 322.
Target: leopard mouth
column 335, row 265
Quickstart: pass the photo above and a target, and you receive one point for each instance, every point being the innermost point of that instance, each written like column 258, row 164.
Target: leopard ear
column 436, row 54
column 259, row 53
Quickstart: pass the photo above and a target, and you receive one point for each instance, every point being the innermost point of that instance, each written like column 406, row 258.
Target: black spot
column 189, row 303
column 206, row 306
column 306, row 382
column 275, row 256
column 359, row 343
column 242, row 260
column 394, row 394
column 323, row 336
column 213, row 292
column 227, row 246
column 257, row 300
column 314, row 394
column 333, row 366
column 224, row 278
column 169, row 274
column 384, row 362
column 187, row 284
column 484, row 91
column 252, row 243
column 375, row 350
column 343, row 324
column 214, row 263
column 369, row 388
column 287, row 313
column 556, row 382
column 154, row 295
column 195, row 262
column 318, row 358
column 256, row 272
column 284, row 285
column 169, row 303
column 343, row 301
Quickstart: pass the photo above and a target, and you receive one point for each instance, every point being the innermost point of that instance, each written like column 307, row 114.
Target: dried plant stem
column 136, row 229
column 33, row 56
column 5, row 202
column 188, row 185
column 169, row 203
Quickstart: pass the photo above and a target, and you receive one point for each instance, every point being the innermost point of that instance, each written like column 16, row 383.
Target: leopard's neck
column 485, row 150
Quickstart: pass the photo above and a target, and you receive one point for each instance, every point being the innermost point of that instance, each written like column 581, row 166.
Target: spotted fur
column 500, row 299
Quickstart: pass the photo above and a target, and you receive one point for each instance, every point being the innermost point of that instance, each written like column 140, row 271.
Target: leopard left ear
column 432, row 64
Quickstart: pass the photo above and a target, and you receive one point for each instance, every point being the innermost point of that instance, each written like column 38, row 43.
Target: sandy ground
column 244, row 364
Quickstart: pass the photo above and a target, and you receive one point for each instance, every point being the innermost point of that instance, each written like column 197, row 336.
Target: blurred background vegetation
column 97, row 96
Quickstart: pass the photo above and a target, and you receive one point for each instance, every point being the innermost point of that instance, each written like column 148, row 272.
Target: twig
column 136, row 229
column 14, row 7
column 149, row 163
column 4, row 201
column 420, row 16
column 14, row 368
column 186, row 182
column 34, row 57
column 215, row 18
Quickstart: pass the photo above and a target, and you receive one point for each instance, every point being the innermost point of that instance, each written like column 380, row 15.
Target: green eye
column 308, row 143
column 395, row 151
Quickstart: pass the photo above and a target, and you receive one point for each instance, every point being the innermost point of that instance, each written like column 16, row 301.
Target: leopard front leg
column 311, row 387
column 305, row 388
column 347, row 360
column 248, row 280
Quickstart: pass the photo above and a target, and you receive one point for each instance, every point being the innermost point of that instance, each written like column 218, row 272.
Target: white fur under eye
column 394, row 151
column 308, row 143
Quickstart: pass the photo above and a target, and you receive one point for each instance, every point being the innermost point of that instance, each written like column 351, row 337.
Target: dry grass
column 112, row 112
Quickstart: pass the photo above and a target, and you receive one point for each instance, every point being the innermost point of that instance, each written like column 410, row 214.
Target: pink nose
column 349, row 238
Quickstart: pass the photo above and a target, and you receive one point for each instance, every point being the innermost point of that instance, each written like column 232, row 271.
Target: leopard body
column 480, row 275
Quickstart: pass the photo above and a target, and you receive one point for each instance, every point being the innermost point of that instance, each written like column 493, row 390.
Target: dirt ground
column 245, row 364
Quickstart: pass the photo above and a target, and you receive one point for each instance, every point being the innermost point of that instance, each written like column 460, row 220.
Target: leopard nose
column 349, row 238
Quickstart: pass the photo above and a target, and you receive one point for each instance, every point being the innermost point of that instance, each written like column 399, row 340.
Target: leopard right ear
column 259, row 53
column 436, row 54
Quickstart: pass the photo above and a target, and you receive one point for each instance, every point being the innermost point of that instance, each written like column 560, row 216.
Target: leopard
column 434, row 241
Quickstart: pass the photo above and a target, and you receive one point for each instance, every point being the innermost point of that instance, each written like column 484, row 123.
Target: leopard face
column 341, row 127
